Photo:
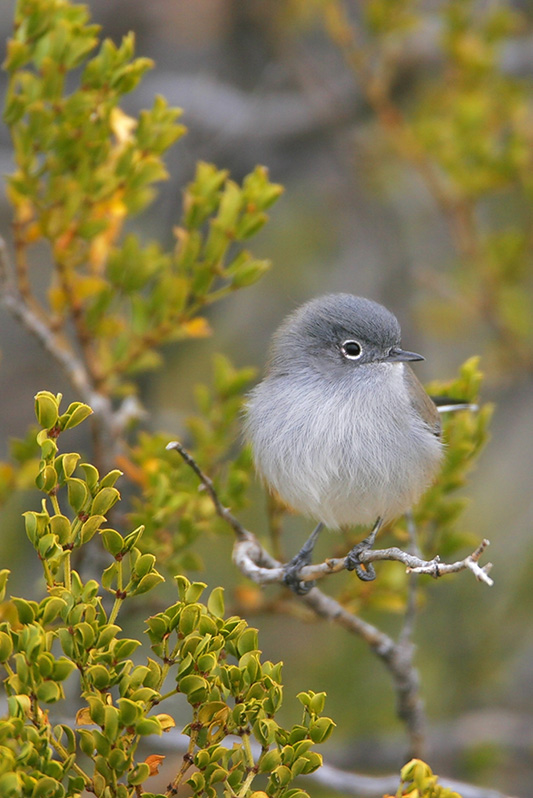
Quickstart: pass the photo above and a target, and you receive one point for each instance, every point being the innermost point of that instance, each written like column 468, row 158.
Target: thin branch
column 20, row 273
column 108, row 422
column 224, row 513
column 17, row 305
column 409, row 697
column 436, row 568
column 245, row 556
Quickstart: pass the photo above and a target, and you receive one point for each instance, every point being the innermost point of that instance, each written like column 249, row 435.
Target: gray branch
column 250, row 560
column 110, row 422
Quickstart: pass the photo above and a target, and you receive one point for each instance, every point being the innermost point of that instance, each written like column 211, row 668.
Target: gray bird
column 340, row 426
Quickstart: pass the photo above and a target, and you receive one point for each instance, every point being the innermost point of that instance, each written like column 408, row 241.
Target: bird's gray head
column 337, row 332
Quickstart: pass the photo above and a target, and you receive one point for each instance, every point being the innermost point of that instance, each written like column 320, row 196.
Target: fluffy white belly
column 346, row 458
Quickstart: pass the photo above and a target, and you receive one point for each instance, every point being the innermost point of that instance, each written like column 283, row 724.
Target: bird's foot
column 365, row 571
column 291, row 576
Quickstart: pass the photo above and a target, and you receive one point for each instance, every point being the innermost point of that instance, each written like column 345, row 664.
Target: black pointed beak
column 397, row 355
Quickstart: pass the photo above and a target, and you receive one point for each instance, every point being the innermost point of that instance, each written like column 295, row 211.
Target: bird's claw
column 365, row 571
column 291, row 577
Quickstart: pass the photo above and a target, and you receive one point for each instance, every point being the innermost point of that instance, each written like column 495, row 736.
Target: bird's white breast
column 343, row 454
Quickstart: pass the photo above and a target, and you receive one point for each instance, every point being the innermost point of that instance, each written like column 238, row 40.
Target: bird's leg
column 365, row 572
column 303, row 558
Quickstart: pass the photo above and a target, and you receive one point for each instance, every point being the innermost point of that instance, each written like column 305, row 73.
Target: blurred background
column 264, row 83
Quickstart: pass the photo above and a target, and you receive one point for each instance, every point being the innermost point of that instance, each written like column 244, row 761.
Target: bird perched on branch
column 340, row 426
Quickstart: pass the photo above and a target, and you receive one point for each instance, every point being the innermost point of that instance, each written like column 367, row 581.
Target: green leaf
column 104, row 500
column 90, row 527
column 247, row 641
column 70, row 743
column 194, row 591
column 320, row 729
column 60, row 526
column 118, row 760
column 215, row 602
column 125, row 648
column 129, row 711
column 99, row 676
column 6, row 646
column 26, row 610
column 47, row 409
column 195, row 687
column 48, row 692
column 77, row 494
column 133, row 538
column 65, row 465
column 109, row 480
column 248, row 272
column 147, row 583
column 111, row 722
column 46, row 479
column 140, row 773
column 62, row 669
column 91, row 475
column 112, row 541
column 51, row 608
column 4, row 576
column 86, row 742
column 148, row 726
column 144, row 565
column 108, row 633
column 74, row 415
column 269, row 761
column 189, row 618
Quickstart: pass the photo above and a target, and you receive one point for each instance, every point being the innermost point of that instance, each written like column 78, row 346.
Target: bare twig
column 245, row 557
column 403, row 672
column 15, row 303
column 223, row 512
column 109, row 423
column 436, row 568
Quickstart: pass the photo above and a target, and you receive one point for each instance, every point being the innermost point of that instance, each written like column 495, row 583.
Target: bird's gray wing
column 422, row 403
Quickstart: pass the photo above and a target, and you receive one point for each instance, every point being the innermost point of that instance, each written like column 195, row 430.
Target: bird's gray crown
column 332, row 319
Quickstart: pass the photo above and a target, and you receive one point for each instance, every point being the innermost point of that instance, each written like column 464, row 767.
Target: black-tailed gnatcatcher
column 340, row 426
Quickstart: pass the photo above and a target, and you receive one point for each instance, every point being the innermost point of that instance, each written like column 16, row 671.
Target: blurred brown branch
column 108, row 423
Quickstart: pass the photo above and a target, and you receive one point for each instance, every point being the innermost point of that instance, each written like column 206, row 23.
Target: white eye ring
column 351, row 350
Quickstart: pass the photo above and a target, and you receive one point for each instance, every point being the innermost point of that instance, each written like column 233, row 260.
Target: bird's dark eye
column 351, row 350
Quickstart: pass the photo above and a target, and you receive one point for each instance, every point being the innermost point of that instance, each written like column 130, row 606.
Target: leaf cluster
column 215, row 663
column 83, row 166
column 168, row 503
column 418, row 781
